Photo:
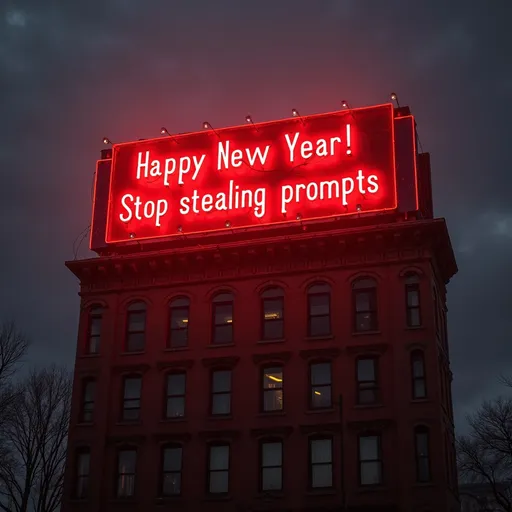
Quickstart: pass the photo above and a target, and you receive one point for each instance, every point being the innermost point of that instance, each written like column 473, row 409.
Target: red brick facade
column 373, row 332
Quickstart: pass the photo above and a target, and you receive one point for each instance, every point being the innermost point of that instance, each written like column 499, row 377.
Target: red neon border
column 252, row 126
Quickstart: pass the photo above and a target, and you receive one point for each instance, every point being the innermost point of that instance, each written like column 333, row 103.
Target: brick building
column 300, row 369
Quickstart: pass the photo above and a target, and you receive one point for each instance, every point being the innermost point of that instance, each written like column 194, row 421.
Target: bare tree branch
column 13, row 346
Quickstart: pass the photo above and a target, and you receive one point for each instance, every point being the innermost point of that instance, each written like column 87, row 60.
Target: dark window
column 365, row 305
column 319, row 310
column 221, row 392
column 367, row 386
column 419, row 383
column 178, row 318
column 131, row 398
column 272, row 305
column 136, row 327
column 271, row 465
column 176, row 384
column 412, row 298
column 321, row 393
column 320, row 471
column 223, row 318
column 273, row 388
column 171, row 470
column 126, row 464
column 370, row 460
column 421, row 440
column 94, row 330
column 89, row 391
column 83, row 462
column 218, row 469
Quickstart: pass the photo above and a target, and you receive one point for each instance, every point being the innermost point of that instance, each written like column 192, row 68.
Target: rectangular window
column 83, row 461
column 273, row 389
column 223, row 318
column 131, row 398
column 319, row 310
column 136, row 327
column 94, row 330
column 89, row 391
column 171, row 477
column 218, row 469
column 412, row 292
column 221, row 392
column 320, row 463
column 320, row 378
column 370, row 460
column 179, row 313
column 422, row 455
column 419, row 386
column 126, row 464
column 365, row 306
column 176, row 384
column 271, row 466
column 273, row 318
column 367, row 388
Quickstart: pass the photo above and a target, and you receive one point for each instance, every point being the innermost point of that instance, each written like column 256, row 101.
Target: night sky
column 72, row 72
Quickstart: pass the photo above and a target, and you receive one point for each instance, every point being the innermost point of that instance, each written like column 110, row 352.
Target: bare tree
column 485, row 454
column 35, row 435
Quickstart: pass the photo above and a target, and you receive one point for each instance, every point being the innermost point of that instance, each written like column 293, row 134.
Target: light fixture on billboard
column 394, row 98
column 165, row 131
column 180, row 229
column 132, row 235
column 208, row 126
column 299, row 216
column 295, row 112
column 228, row 224
column 358, row 207
column 344, row 104
column 248, row 120
column 106, row 141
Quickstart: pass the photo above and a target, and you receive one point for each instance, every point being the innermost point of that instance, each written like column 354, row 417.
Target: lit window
column 171, row 470
column 218, row 469
column 94, row 330
column 320, row 376
column 319, row 310
column 320, row 471
column 412, row 298
column 419, row 383
column 367, row 387
column 179, row 316
column 136, row 327
column 370, row 460
column 131, row 398
column 223, row 318
column 126, row 464
column 365, row 305
column 176, row 383
column 273, row 389
column 422, row 449
column 271, row 465
column 89, row 390
column 273, row 314
column 83, row 461
column 221, row 392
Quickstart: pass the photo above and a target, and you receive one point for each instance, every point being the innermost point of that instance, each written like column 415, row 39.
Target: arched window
column 412, row 300
column 419, row 381
column 271, row 465
column 422, row 451
column 136, row 327
column 172, row 457
column 272, row 308
column 82, row 472
column 222, row 329
column 179, row 322
column 319, row 310
column 95, row 319
column 364, row 294
column 88, row 396
column 320, row 396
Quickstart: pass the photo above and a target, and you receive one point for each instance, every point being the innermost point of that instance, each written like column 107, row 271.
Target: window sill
column 217, row 417
column 263, row 495
column 366, row 333
column 220, row 345
column 369, row 406
column 133, row 353
column 217, row 497
column 168, row 499
column 127, row 423
column 371, row 488
column 179, row 419
column 327, row 491
column 327, row 410
column 176, row 349
column 265, row 342
column 271, row 414
column 319, row 338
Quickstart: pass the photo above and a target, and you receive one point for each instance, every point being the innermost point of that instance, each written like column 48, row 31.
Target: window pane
column 273, row 292
column 365, row 370
column 422, row 444
column 370, row 473
column 176, row 384
column 271, row 454
column 136, row 321
column 90, row 388
column 130, row 414
column 273, row 378
column 222, row 381
column 179, row 318
column 321, row 373
column 413, row 298
column 414, row 317
column 273, row 330
column 420, row 390
column 126, row 485
column 171, row 484
column 83, row 464
column 176, row 407
column 417, row 367
column 223, row 297
column 271, row 479
column 172, row 459
column 423, row 470
column 319, row 326
column 221, row 404
column 364, row 301
column 94, row 345
column 223, row 334
column 367, row 396
column 321, row 451
column 368, row 448
column 318, row 305
column 179, row 338
column 219, row 482
column 273, row 400
column 364, row 283
column 223, row 314
column 321, row 476
column 321, row 396
column 135, row 342
column 273, row 309
column 127, row 460
column 365, row 322
column 132, row 387
column 219, row 457
column 95, row 326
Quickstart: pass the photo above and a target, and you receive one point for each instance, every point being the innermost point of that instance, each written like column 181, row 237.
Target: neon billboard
column 302, row 168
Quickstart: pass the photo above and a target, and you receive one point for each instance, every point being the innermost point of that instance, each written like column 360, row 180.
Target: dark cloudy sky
column 74, row 71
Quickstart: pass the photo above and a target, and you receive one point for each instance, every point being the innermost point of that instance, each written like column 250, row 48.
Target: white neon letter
column 161, row 210
column 291, row 145
column 286, row 197
column 123, row 202
column 144, row 165
column 223, row 156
